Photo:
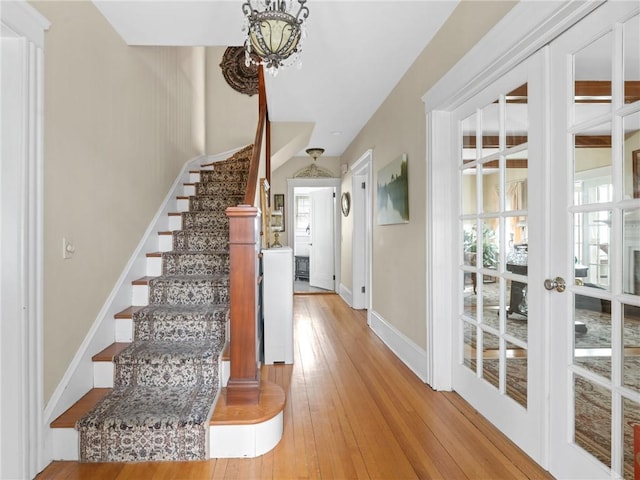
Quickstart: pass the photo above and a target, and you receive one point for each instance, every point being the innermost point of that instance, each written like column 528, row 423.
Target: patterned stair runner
column 167, row 380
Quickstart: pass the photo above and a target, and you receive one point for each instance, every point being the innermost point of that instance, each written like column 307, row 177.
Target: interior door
column 321, row 251
column 499, row 330
column 595, row 220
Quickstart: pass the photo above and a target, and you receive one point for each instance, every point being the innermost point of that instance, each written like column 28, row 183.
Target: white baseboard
column 346, row 295
column 408, row 352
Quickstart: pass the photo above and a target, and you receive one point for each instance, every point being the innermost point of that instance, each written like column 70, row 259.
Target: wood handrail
column 264, row 127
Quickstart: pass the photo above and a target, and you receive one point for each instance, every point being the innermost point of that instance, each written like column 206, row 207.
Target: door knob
column 558, row 283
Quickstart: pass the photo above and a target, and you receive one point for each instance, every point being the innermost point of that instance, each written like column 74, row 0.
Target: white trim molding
column 362, row 207
column 21, row 245
column 346, row 295
column 414, row 357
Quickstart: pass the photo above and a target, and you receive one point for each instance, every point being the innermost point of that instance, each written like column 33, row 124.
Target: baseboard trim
column 346, row 295
column 406, row 350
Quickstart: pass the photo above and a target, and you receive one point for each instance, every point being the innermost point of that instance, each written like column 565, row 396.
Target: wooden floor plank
column 353, row 410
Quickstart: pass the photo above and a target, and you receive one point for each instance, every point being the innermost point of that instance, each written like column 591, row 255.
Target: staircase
column 155, row 395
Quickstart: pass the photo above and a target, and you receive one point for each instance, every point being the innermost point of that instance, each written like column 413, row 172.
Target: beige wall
column 231, row 117
column 399, row 126
column 120, row 122
column 289, row 169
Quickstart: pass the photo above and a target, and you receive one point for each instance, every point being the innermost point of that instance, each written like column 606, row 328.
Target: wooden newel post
column 244, row 382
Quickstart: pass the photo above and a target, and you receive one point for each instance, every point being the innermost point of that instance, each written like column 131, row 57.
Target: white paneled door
column 321, row 249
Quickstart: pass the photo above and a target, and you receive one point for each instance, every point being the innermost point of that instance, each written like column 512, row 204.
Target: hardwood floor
column 353, row 411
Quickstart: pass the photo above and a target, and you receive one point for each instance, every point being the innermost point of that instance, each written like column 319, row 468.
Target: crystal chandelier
column 274, row 34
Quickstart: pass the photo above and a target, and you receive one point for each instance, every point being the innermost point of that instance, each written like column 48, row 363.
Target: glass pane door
column 499, row 330
column 595, row 70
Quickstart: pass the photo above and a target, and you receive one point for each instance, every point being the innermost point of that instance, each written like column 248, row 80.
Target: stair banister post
column 243, row 387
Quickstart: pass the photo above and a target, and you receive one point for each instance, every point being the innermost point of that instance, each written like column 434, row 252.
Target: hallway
column 353, row 411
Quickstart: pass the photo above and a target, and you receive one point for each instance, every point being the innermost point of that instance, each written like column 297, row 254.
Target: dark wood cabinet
column 302, row 268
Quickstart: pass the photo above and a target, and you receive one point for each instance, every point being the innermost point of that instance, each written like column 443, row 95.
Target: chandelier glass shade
column 274, row 33
column 314, row 152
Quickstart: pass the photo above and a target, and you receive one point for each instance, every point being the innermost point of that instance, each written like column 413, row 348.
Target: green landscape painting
column 393, row 192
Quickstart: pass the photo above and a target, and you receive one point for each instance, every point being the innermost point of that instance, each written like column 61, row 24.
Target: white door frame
column 22, row 445
column 292, row 183
column 362, row 230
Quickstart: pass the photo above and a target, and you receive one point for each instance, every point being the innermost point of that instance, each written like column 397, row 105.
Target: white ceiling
column 354, row 54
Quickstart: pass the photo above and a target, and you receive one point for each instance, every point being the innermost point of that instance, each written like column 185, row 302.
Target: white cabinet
column 277, row 270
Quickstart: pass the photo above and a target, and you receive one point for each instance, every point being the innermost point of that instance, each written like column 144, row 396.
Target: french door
column 595, row 245
column 547, row 336
column 498, row 333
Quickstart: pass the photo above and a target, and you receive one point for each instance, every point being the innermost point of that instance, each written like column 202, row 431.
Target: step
column 188, row 189
column 234, row 431
column 64, row 436
column 124, row 324
column 165, row 241
column 248, row 430
column 154, row 264
column 175, row 221
column 103, row 364
column 182, row 203
column 140, row 291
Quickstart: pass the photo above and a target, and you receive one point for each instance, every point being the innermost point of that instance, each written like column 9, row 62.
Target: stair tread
column 76, row 411
column 127, row 312
column 272, row 400
column 108, row 353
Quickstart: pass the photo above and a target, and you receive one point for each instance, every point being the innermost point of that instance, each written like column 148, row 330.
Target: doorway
column 313, row 231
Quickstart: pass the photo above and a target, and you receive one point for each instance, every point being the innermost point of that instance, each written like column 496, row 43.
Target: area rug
column 166, row 382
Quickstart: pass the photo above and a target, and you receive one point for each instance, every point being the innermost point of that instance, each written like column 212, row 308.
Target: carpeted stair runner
column 167, row 380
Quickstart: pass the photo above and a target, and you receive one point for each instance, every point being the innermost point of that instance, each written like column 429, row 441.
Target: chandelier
column 274, row 34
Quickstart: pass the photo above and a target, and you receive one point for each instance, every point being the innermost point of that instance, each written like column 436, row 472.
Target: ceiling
column 354, row 54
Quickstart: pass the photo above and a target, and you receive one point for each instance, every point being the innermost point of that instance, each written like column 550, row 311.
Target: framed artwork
column 278, row 204
column 393, row 192
column 635, row 159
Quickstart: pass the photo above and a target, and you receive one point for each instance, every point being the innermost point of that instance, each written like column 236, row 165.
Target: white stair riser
column 124, row 330
column 194, row 177
column 189, row 190
column 103, row 374
column 238, row 441
column 140, row 295
column 175, row 222
column 66, row 444
column 165, row 243
column 154, row 266
column 182, row 205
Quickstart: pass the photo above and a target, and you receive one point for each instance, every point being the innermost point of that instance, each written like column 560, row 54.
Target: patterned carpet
column 166, row 382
